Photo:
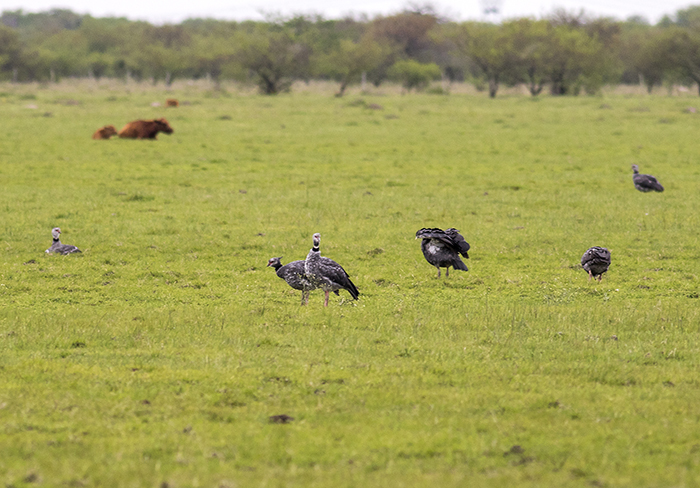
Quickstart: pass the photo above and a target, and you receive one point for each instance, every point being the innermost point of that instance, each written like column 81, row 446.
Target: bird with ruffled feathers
column 326, row 274
column 596, row 261
column 442, row 248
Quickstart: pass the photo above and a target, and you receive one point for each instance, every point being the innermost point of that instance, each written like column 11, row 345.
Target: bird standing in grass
column 326, row 274
column 295, row 276
column 57, row 247
column 596, row 261
column 645, row 183
column 442, row 248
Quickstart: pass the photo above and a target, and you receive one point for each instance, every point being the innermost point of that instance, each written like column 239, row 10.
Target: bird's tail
column 459, row 264
column 352, row 289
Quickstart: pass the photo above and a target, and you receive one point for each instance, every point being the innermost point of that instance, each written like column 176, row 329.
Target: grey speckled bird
column 295, row 276
column 596, row 261
column 326, row 273
column 57, row 247
column 442, row 248
column 645, row 183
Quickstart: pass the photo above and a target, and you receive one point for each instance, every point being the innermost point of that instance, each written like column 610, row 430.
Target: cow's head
column 163, row 126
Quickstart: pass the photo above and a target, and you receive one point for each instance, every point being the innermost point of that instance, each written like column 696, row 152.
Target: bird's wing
column 653, row 183
column 648, row 181
column 66, row 249
column 338, row 276
column 458, row 242
column 295, row 275
column 332, row 270
column 434, row 233
column 595, row 254
column 604, row 255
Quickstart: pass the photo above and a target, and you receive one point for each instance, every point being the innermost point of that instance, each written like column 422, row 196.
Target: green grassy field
column 157, row 356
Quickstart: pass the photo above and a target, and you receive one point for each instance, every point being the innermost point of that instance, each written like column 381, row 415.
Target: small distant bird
column 596, row 261
column 442, row 248
column 280, row 419
column 57, row 247
column 326, row 274
column 645, row 183
column 295, row 276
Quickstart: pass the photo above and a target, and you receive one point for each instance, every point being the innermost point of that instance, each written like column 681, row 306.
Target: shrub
column 413, row 74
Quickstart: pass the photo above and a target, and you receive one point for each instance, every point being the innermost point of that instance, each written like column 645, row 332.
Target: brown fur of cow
column 171, row 102
column 105, row 132
column 145, row 129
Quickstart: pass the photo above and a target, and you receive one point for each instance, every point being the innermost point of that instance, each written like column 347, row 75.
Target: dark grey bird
column 596, row 261
column 645, row 183
column 295, row 276
column 57, row 247
column 442, row 248
column 326, row 274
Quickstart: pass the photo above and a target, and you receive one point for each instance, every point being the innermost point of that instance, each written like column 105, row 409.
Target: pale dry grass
column 315, row 87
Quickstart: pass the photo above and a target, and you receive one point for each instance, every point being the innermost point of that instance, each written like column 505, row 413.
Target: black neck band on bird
column 56, row 239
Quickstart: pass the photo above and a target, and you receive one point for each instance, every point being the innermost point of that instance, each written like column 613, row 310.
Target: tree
column 403, row 36
column 684, row 52
column 574, row 59
column 490, row 50
column 274, row 56
column 689, row 18
column 407, row 33
column 63, row 54
column 11, row 58
column 208, row 57
column 162, row 56
column 646, row 54
column 530, row 43
column 350, row 59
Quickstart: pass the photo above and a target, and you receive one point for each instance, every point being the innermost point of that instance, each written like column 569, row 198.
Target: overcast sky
column 178, row 10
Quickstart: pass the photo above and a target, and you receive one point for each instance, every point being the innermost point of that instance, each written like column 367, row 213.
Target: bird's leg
column 325, row 304
column 447, row 272
column 438, row 267
column 304, row 298
column 590, row 275
column 600, row 278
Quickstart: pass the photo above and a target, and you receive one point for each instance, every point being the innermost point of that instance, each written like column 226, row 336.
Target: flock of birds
column 441, row 248
column 315, row 272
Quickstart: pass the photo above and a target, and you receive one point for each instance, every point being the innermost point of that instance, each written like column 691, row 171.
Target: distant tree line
column 565, row 53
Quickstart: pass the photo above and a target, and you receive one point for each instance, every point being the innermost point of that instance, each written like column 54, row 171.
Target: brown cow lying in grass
column 105, row 132
column 171, row 102
column 145, row 129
